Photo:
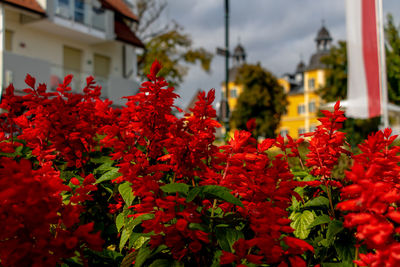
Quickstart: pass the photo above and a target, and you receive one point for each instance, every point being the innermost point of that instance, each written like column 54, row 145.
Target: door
column 72, row 64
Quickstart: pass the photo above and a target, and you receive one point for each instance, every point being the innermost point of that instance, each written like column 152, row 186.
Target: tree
column 167, row 43
column 336, row 75
column 262, row 98
column 336, row 89
column 392, row 60
column 336, row 80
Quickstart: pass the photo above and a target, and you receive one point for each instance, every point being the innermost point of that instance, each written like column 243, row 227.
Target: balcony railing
column 57, row 74
column 89, row 14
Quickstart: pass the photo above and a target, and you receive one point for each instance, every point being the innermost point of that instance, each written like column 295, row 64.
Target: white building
column 52, row 38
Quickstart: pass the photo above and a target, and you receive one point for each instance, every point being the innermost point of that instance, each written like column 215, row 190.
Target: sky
column 276, row 33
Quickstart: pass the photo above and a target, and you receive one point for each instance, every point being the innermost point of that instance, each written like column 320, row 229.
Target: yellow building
column 239, row 58
column 301, row 115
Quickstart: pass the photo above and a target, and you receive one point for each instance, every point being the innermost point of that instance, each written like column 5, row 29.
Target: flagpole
column 382, row 59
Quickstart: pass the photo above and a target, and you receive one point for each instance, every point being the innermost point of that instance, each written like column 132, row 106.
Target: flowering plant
column 83, row 182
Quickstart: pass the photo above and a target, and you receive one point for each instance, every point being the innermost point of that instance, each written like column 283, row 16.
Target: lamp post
column 225, row 52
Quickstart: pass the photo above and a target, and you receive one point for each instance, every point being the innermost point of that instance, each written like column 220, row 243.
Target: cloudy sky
column 275, row 33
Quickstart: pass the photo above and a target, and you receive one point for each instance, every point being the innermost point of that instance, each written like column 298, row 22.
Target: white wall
column 31, row 42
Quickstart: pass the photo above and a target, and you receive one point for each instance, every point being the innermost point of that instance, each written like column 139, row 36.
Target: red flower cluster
column 193, row 199
column 373, row 198
column 154, row 148
column 39, row 227
column 326, row 143
column 265, row 187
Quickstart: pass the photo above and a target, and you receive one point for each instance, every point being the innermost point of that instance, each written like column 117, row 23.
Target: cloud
column 274, row 33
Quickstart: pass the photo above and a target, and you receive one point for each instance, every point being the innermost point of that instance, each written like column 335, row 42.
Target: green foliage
column 216, row 191
column 126, row 192
column 262, row 98
column 393, row 59
column 176, row 187
column 301, row 223
column 336, row 77
column 336, row 80
column 174, row 50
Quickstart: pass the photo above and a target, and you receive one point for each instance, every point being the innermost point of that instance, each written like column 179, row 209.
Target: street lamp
column 225, row 52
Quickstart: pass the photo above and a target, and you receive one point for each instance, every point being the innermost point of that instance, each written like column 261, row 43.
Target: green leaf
column 300, row 174
column 143, row 217
column 127, row 261
column 227, row 237
column 125, row 190
column 197, row 226
column 175, row 187
column 126, row 232
column 120, row 221
column 216, row 259
column 107, row 166
column 161, row 263
column 337, row 264
column 165, row 263
column 322, row 219
column 318, row 202
column 334, row 228
column 102, row 159
column 301, row 223
column 137, row 240
column 110, row 175
column 222, row 193
column 216, row 191
column 193, row 193
column 345, row 251
column 143, row 255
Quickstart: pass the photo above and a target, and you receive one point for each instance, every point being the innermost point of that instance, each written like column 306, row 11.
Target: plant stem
column 328, row 191
column 356, row 256
column 212, row 213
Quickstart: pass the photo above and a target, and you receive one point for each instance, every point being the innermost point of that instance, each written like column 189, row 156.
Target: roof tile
column 125, row 34
column 120, row 7
column 31, row 5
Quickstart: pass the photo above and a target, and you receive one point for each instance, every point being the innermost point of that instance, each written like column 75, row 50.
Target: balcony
column 113, row 88
column 81, row 12
column 81, row 20
column 17, row 66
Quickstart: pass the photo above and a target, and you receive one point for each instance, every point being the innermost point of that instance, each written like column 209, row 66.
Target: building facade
column 52, row 38
column 238, row 59
column 301, row 88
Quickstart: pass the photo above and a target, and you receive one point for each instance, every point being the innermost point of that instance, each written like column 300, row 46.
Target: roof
column 315, row 60
column 323, row 34
column 296, row 90
column 120, row 7
column 300, row 67
column 233, row 72
column 125, row 34
column 31, row 5
column 239, row 50
column 193, row 101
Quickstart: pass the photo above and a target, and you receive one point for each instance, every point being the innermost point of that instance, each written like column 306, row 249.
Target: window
column 284, row 132
column 311, row 83
column 313, row 128
column 79, row 11
column 233, row 93
column 301, row 109
column 8, row 40
column 72, row 59
column 311, row 106
column 102, row 65
column 301, row 131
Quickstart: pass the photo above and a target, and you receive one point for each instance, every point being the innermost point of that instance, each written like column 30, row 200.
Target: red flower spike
column 30, row 81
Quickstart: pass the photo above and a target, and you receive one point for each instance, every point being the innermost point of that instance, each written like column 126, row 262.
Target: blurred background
column 290, row 47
